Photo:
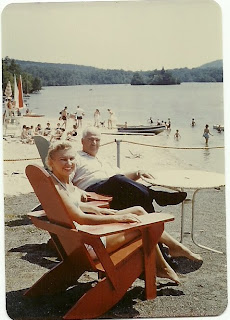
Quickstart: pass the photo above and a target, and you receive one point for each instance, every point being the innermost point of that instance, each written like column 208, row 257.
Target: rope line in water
column 27, row 159
column 168, row 147
column 105, row 144
column 141, row 144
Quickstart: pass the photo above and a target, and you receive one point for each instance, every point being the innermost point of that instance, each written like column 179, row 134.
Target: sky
column 131, row 35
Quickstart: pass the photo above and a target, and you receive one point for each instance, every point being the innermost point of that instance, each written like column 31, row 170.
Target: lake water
column 135, row 104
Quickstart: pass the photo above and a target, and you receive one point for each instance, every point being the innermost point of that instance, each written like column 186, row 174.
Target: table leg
column 150, row 264
column 182, row 221
column 193, row 226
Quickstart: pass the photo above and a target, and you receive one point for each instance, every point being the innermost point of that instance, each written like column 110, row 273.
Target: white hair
column 92, row 130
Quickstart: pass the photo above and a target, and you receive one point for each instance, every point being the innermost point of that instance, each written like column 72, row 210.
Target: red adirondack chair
column 118, row 270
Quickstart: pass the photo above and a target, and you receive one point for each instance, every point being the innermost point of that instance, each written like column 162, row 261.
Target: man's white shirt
column 91, row 170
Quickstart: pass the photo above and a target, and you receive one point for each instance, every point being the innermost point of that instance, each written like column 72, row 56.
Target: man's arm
column 135, row 175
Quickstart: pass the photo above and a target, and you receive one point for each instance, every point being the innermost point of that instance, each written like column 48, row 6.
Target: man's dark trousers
column 125, row 192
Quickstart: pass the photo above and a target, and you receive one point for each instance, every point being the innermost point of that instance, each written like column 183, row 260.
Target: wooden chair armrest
column 112, row 228
column 94, row 196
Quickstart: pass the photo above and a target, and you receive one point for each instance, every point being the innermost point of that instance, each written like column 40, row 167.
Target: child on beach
column 72, row 134
column 31, row 131
column 206, row 133
column 38, row 130
column 58, row 133
column 177, row 135
column 47, row 130
column 25, row 137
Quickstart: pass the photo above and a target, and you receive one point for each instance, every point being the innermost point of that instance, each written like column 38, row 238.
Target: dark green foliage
column 37, row 74
column 210, row 74
column 55, row 74
column 155, row 77
column 137, row 79
column 11, row 67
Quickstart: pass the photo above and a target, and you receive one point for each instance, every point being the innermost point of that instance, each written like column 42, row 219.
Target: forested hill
column 55, row 74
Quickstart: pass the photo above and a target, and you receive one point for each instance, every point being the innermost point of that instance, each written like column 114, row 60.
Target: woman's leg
column 163, row 268
column 177, row 249
column 114, row 242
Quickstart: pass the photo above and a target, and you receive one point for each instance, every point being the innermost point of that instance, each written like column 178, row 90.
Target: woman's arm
column 80, row 217
column 87, row 207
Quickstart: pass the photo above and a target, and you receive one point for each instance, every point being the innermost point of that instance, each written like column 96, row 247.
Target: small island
column 155, row 77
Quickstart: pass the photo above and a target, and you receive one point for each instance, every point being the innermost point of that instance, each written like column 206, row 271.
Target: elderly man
column 94, row 174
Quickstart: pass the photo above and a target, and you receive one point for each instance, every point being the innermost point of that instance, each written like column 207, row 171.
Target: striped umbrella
column 8, row 90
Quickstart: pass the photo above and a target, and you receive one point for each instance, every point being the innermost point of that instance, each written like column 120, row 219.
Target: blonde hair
column 55, row 147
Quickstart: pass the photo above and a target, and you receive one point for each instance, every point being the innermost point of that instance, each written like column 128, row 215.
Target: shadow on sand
column 55, row 306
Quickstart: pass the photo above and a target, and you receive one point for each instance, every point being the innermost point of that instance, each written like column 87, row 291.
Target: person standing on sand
column 193, row 122
column 96, row 118
column 64, row 115
column 206, row 133
column 110, row 119
column 79, row 116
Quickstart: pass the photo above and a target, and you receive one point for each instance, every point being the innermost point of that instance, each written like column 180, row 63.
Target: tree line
column 10, row 68
column 38, row 74
column 155, row 77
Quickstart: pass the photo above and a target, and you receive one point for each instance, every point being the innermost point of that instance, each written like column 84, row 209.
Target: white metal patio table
column 188, row 179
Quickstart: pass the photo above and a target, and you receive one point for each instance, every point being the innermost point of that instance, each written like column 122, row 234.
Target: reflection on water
column 206, row 154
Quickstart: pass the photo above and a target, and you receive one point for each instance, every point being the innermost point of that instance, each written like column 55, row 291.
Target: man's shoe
column 171, row 261
column 163, row 198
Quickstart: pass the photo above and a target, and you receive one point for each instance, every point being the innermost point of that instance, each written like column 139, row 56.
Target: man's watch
column 138, row 173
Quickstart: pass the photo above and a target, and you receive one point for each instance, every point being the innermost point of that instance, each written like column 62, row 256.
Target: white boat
column 142, row 129
column 33, row 115
column 218, row 127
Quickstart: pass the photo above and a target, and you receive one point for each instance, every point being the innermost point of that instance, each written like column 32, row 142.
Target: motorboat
column 218, row 127
column 141, row 129
column 33, row 115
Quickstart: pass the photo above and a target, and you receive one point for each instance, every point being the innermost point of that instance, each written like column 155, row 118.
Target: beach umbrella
column 20, row 94
column 8, row 90
column 16, row 93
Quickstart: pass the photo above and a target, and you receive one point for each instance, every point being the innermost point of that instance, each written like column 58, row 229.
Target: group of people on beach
column 52, row 134
column 177, row 135
column 77, row 116
column 161, row 123
column 79, row 113
column 76, row 173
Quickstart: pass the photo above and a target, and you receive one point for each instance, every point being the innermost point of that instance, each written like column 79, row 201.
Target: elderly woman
column 61, row 162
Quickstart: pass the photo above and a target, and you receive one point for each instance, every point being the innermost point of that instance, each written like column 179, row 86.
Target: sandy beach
column 203, row 288
column 133, row 156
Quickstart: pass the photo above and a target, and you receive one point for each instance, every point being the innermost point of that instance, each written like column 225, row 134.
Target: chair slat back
column 48, row 195
column 42, row 145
